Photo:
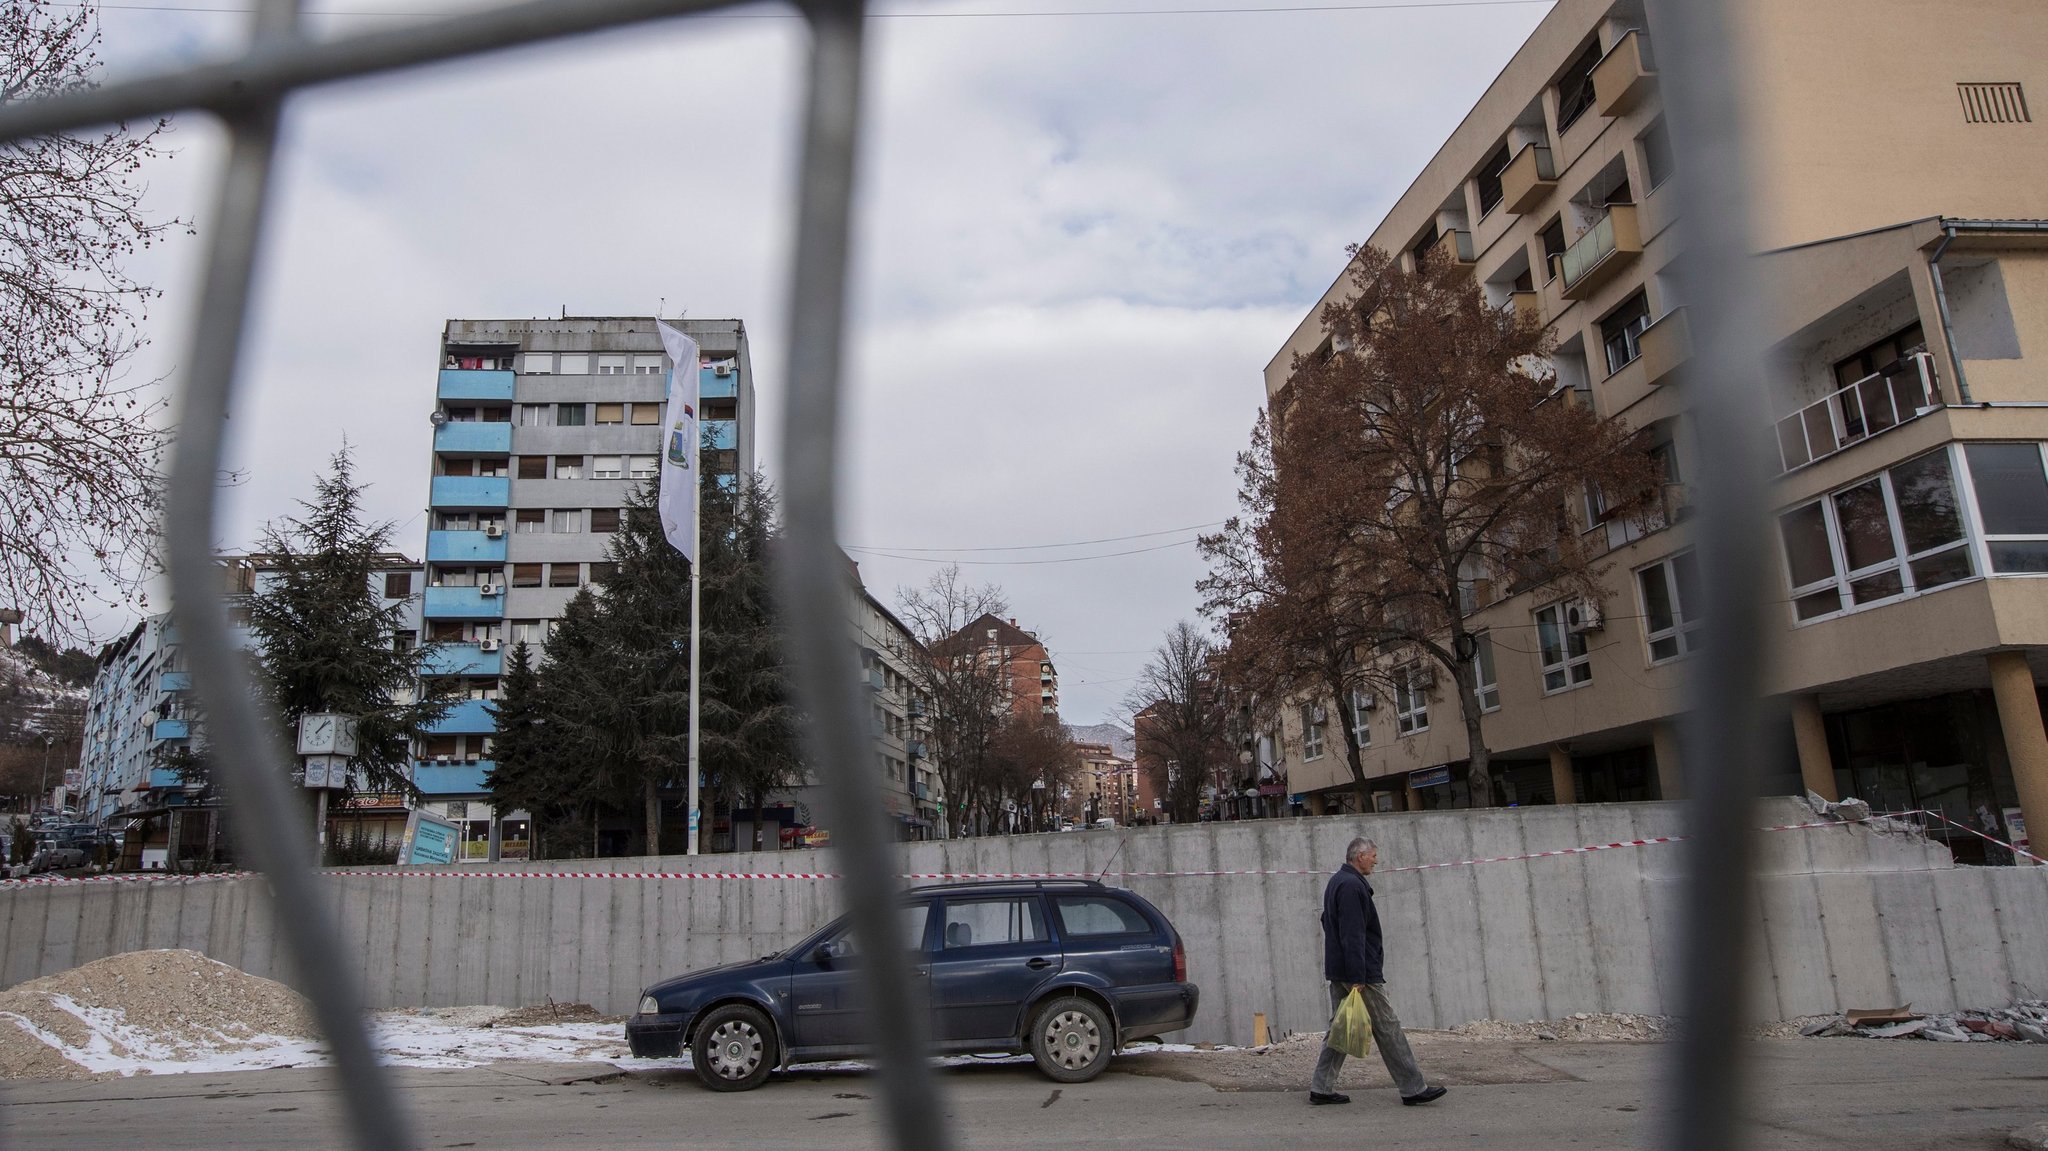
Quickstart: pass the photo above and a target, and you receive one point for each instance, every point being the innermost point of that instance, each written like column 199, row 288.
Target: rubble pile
column 1580, row 1027
column 2023, row 1022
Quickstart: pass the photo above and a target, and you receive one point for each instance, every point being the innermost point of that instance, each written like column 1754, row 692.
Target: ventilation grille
column 1994, row 103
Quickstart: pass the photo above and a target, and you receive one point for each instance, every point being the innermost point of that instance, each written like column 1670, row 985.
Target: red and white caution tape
column 463, row 873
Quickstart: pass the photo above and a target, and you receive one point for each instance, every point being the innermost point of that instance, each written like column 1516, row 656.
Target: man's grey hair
column 1358, row 847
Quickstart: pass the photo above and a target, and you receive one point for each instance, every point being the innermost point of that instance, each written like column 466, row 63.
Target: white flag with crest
column 679, row 445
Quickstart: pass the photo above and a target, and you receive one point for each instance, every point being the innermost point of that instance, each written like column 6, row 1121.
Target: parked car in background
column 1066, row 971
column 52, row 857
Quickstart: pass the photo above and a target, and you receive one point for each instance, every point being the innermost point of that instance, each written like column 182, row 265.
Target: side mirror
column 827, row 952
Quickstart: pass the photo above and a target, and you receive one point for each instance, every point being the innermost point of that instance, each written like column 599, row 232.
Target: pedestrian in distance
column 1353, row 956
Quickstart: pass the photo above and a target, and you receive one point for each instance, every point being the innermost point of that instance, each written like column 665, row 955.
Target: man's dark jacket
column 1351, row 930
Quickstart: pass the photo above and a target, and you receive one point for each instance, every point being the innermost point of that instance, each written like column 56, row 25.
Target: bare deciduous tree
column 1182, row 722
column 966, row 692
column 80, row 443
column 1425, row 464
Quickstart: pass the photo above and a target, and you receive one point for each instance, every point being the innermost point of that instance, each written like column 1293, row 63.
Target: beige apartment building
column 1903, row 185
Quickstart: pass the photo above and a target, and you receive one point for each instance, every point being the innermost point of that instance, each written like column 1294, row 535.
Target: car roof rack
column 1026, row 884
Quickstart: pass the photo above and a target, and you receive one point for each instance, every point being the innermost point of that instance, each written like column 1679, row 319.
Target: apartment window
column 530, row 521
column 646, row 415
column 1489, row 178
column 1411, row 699
column 606, row 467
column 1671, row 606
column 1554, row 246
column 494, row 415
column 1621, row 332
column 527, row 631
column 2012, row 504
column 462, row 415
column 568, row 521
column 538, row 364
column 526, row 575
column 1424, row 243
column 536, row 415
column 1898, row 532
column 1485, row 681
column 404, row 641
column 568, row 467
column 604, row 520
column 645, row 365
column 1657, row 154
column 1361, row 717
column 397, row 585
column 493, row 468
column 1880, row 355
column 642, row 467
column 574, row 364
column 445, row 631
column 569, row 415
column 455, row 522
column 611, row 413
column 1566, row 664
column 565, row 575
column 1575, row 87
column 1312, row 720
column 602, row 571
column 533, row 467
column 2004, row 103
column 609, row 365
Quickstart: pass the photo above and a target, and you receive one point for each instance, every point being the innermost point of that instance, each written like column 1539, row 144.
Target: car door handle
column 1038, row 963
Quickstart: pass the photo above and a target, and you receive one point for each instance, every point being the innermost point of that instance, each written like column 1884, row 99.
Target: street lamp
column 48, row 741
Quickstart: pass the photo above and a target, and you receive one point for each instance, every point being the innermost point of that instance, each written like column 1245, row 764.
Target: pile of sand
column 548, row 1014
column 142, row 1005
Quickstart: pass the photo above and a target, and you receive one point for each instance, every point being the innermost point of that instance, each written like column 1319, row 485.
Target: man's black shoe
column 1319, row 1099
column 1427, row 1095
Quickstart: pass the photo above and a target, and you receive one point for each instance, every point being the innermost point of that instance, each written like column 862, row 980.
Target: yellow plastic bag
column 1351, row 1027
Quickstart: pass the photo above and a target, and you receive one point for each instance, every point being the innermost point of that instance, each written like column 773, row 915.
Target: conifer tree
column 525, row 772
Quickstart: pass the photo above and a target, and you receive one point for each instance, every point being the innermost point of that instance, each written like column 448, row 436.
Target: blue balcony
column 728, row 481
column 170, row 729
column 174, row 681
column 458, row 384
column 712, row 386
column 465, row 548
column 164, row 777
column 467, row 717
column 722, row 433
column 471, row 491
column 463, row 603
column 451, row 778
column 486, row 437
column 461, row 659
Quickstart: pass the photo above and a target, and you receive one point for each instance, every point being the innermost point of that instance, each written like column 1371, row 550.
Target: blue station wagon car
column 1066, row 971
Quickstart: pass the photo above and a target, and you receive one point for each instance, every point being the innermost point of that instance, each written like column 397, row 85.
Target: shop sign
column 429, row 839
column 1433, row 777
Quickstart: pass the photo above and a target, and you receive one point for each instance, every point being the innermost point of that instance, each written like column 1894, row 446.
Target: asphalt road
column 1843, row 1093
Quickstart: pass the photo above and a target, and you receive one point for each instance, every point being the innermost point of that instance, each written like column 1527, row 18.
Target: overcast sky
column 1080, row 239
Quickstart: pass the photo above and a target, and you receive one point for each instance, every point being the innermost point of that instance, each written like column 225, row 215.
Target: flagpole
column 696, row 616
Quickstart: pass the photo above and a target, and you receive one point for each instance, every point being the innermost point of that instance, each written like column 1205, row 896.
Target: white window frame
column 607, row 467
column 537, row 363
column 1312, row 741
column 648, row 365
column 1973, row 520
column 1411, row 701
column 1841, row 581
column 536, row 415
column 612, row 363
column 1485, row 674
column 566, row 470
column 1361, row 721
column 1575, row 669
column 642, row 467
column 574, row 364
column 1685, row 630
column 565, row 521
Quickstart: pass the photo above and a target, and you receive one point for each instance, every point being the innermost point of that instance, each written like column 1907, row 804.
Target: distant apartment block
column 1031, row 683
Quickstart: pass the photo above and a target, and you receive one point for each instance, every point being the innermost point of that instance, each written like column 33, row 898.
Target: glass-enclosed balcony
column 464, row 603
column 468, row 384
column 465, row 778
column 465, row 547
column 471, row 491
column 474, row 437
column 462, row 659
column 1605, row 249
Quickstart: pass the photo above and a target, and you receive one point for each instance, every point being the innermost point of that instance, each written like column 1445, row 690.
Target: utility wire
column 1042, row 547
column 1024, row 563
column 1015, row 14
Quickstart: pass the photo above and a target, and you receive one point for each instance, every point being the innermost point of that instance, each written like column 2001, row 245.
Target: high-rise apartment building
column 1902, row 184
column 1031, row 683
column 541, row 430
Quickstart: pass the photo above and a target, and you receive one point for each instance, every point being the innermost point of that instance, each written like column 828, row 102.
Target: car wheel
column 734, row 1049
column 1072, row 1039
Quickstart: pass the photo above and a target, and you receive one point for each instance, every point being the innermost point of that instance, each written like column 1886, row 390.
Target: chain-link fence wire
column 1698, row 55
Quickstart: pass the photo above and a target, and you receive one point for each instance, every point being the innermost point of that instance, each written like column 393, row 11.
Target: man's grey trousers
column 1386, row 1035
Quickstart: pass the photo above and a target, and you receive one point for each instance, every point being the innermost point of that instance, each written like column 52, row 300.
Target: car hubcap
column 735, row 1050
column 1072, row 1039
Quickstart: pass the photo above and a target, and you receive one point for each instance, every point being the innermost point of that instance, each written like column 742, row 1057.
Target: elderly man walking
column 1352, row 957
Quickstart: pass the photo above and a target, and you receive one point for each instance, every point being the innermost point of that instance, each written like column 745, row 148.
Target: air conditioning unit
column 491, row 589
column 1367, row 701
column 494, row 531
column 490, row 644
column 476, row 759
column 1584, row 615
column 442, row 758
column 724, row 369
column 1320, row 715
column 1424, row 675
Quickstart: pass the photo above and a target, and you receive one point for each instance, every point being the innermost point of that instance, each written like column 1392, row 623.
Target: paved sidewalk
column 1839, row 1093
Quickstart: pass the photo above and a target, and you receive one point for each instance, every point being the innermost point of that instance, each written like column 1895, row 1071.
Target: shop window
column 1411, row 699
column 1671, row 606
column 526, row 575
column 1486, row 682
column 1566, row 662
column 2012, row 505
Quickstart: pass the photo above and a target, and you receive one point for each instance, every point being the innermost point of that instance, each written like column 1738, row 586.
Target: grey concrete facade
column 1849, row 917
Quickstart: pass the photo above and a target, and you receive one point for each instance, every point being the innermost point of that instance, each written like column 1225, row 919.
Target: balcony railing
column 472, row 437
column 464, row 603
column 1855, row 412
column 1528, row 178
column 1453, row 247
column 712, row 386
column 470, row 491
column 473, row 384
column 1610, row 245
column 448, row 547
column 1624, row 76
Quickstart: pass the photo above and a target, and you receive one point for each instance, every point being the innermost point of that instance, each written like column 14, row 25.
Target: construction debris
column 2023, row 1022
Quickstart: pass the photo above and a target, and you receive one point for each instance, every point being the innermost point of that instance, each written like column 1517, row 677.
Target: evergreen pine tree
column 525, row 772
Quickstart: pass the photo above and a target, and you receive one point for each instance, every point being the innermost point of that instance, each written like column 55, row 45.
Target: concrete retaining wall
column 1847, row 918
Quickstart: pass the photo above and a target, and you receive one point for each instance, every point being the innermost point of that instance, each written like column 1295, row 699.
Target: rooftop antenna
column 661, row 308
